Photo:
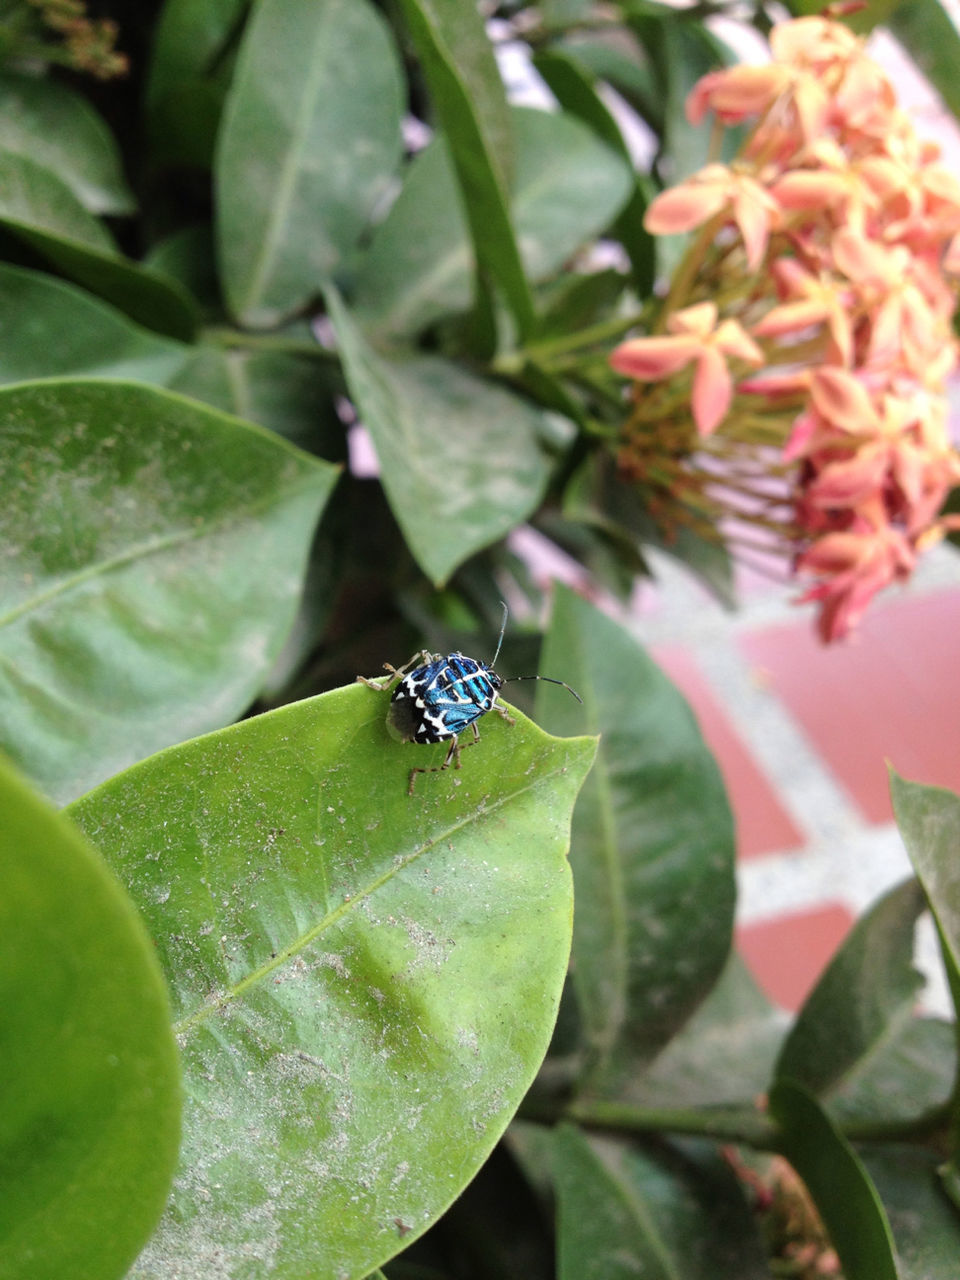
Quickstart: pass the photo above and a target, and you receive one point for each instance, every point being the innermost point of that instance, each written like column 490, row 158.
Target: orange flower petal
column 650, row 359
column 712, row 391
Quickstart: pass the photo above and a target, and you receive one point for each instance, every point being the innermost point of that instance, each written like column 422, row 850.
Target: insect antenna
column 549, row 680
column 503, row 627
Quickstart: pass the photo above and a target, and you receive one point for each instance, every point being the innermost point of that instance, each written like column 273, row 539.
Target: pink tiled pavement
column 787, row 955
column 763, row 824
column 892, row 693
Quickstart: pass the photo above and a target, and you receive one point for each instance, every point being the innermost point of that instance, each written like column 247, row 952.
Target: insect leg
column 453, row 754
column 396, row 673
column 501, row 710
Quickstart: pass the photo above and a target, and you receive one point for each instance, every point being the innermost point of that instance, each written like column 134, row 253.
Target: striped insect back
column 441, row 697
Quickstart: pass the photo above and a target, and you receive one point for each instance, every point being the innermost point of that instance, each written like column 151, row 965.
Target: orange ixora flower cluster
column 820, row 267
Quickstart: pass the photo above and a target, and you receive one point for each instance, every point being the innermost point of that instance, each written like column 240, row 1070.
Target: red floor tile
column 891, row 693
column 763, row 825
column 787, row 955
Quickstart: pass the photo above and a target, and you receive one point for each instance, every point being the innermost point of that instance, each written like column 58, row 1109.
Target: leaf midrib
column 302, row 941
column 289, row 171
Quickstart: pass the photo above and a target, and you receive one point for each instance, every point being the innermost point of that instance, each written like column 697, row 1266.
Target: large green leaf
column 863, row 1000
column 471, row 109
column 33, row 197
column 652, row 849
column 926, row 1226
column 568, row 188
column 49, row 328
column 154, row 558
column 364, row 981
column 724, row 1055
column 624, row 1212
column 90, row 1104
column 289, row 394
column 929, row 34
column 192, row 57
column 462, row 460
column 59, row 130
column 41, row 210
column 309, row 141
column 577, row 93
column 838, row 1183
column 929, row 822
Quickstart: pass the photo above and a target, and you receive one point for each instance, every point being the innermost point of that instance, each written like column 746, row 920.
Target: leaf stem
column 744, row 1126
column 221, row 336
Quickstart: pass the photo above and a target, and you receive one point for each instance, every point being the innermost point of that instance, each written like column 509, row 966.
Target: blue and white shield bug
column 442, row 697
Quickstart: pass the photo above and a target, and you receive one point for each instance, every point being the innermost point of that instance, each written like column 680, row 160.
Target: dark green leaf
column 90, row 1105
column 152, row 300
column 624, row 1212
column 190, row 70
column 309, row 142
column 929, row 822
column 59, row 130
column 155, row 553
column 624, row 64
column 926, row 1226
column 909, row 1079
column 42, row 211
column 568, row 188
column 288, row 394
column 576, row 92
column 930, row 36
column 364, row 981
column 462, row 460
column 838, row 1183
column 188, row 256
column 652, row 849
column 471, row 110
column 724, row 1055
column 34, row 198
column 863, row 1000
column 48, row 328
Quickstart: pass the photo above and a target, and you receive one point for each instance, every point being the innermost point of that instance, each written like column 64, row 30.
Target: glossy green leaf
column 929, row 34
column 49, row 328
column 462, row 460
column 577, row 93
column 90, row 1105
column 59, row 130
column 155, row 552
column 929, row 822
column 626, row 66
column 152, row 300
column 862, row 1001
column 41, row 210
column 652, row 848
column 188, row 257
column 625, row 1212
column 293, row 396
column 192, row 59
column 569, row 187
column 309, row 142
column 724, row 1055
column 471, row 110
column 926, row 1226
column 364, row 981
column 35, row 198
column 838, row 1183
